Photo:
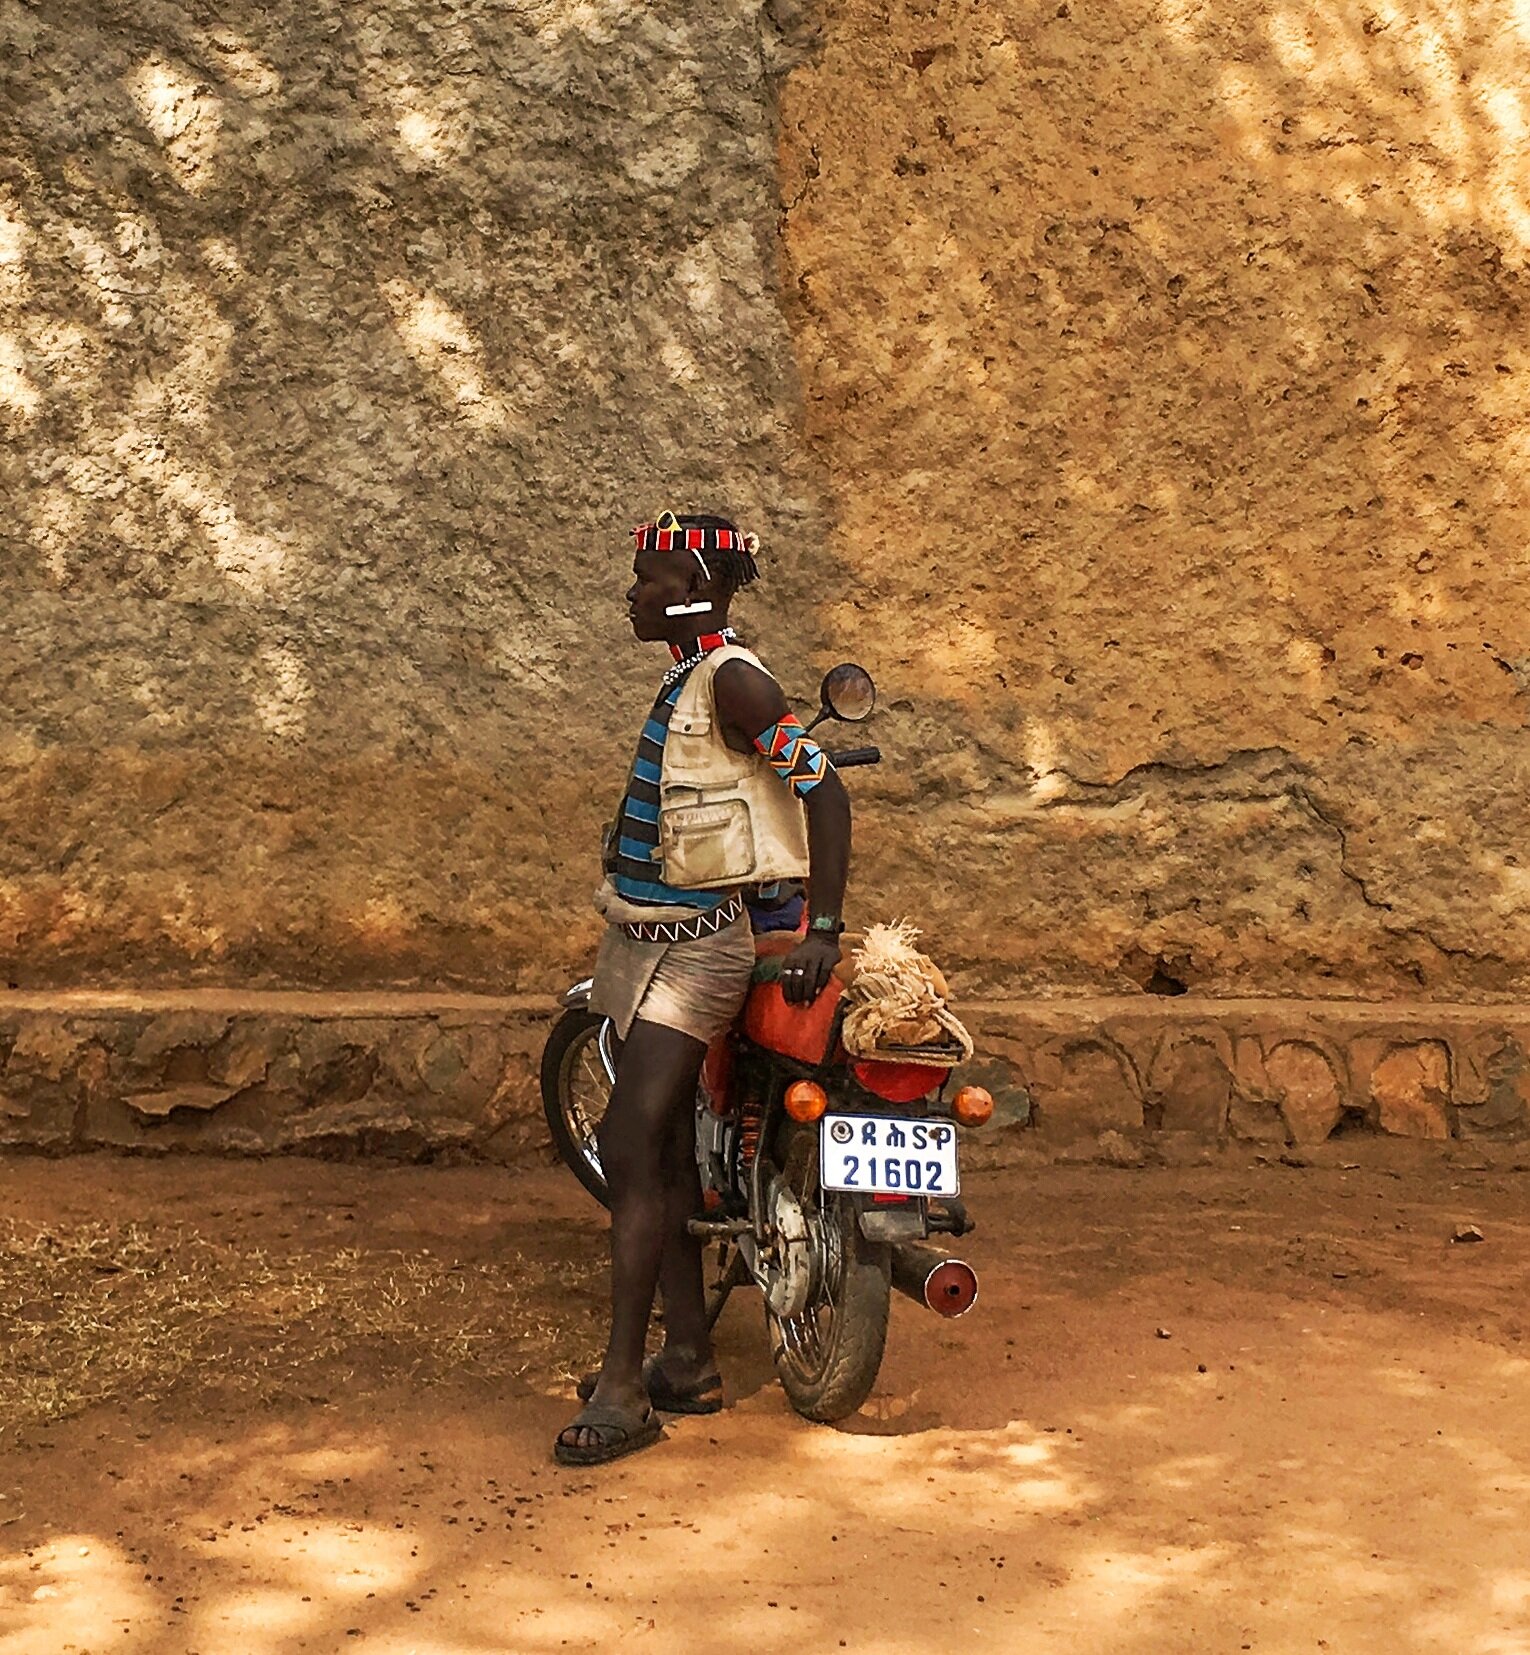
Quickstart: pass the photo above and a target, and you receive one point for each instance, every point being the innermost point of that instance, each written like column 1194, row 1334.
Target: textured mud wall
column 1169, row 365
column 1167, row 411
column 339, row 346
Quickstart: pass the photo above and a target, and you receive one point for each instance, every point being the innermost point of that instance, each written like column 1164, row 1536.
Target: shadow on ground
column 1210, row 1409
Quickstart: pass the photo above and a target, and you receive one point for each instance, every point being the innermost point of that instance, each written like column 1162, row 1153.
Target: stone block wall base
column 423, row 1076
column 401, row 1076
column 1281, row 1072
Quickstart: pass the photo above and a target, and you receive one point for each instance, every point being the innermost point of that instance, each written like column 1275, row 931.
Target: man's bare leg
column 656, row 1078
column 687, row 1354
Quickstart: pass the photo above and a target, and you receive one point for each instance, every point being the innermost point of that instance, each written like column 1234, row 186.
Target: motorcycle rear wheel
column 575, row 1092
column 828, row 1355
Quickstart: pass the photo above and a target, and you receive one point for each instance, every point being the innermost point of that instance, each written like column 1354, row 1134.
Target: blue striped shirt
column 639, row 874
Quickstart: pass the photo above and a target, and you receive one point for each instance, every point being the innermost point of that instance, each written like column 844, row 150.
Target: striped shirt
column 639, row 874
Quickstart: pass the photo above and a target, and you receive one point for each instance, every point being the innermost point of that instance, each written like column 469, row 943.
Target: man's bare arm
column 749, row 704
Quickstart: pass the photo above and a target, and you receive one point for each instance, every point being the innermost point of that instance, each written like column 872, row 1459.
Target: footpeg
column 950, row 1218
column 717, row 1229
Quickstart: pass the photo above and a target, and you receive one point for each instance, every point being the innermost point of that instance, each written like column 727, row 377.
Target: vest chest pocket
column 690, row 754
column 705, row 845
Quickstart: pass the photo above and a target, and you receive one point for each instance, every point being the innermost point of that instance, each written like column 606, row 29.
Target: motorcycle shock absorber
column 751, row 1119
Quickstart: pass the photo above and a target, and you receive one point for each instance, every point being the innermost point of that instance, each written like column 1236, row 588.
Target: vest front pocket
column 704, row 845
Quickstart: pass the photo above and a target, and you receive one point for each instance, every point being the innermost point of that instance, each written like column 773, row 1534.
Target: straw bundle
column 897, row 1000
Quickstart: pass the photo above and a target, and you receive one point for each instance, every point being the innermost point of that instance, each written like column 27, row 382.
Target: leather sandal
column 704, row 1397
column 617, row 1431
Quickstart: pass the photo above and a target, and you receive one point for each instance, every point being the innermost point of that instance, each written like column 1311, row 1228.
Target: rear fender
column 891, row 1220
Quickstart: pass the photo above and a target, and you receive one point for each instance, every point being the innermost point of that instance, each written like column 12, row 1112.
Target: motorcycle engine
column 716, row 1150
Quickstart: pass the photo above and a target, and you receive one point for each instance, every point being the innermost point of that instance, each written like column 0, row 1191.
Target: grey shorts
column 696, row 987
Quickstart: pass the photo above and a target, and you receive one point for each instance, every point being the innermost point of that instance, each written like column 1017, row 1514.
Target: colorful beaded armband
column 794, row 756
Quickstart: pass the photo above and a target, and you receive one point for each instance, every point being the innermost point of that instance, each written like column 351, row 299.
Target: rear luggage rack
column 948, row 1052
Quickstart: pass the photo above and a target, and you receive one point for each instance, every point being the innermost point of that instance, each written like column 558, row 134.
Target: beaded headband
column 668, row 534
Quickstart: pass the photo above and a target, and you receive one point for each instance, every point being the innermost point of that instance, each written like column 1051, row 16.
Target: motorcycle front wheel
column 827, row 1355
column 575, row 1091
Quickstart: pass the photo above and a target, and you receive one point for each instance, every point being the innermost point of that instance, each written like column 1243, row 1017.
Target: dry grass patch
column 99, row 1312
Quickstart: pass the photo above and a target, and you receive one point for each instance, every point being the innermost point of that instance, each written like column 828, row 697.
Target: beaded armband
column 794, row 756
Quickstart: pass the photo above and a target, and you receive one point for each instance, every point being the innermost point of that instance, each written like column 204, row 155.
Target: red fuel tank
column 801, row 1032
column 796, row 1031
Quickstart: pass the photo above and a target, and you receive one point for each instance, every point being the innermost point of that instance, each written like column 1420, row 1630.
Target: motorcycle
column 824, row 1175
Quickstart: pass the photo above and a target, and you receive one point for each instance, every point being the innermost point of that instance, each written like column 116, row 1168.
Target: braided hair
column 736, row 566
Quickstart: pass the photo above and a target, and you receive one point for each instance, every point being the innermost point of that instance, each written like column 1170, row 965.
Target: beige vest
column 725, row 818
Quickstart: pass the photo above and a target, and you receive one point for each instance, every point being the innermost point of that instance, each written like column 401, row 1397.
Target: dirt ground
column 264, row 1408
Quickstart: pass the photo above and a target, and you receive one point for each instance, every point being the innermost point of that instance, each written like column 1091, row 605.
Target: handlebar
column 853, row 756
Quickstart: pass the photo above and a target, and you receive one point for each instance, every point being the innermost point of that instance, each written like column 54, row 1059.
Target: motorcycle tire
column 571, row 1066
column 827, row 1358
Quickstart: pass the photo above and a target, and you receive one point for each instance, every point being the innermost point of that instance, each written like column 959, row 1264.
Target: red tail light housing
column 899, row 1082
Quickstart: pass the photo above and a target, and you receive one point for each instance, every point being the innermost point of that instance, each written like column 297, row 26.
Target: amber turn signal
column 806, row 1100
column 972, row 1105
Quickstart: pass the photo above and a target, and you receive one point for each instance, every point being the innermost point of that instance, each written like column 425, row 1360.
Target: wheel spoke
column 827, row 1355
column 587, row 1092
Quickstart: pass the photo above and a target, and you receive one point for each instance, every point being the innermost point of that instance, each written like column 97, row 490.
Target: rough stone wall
column 409, row 1076
column 433, row 1076
column 339, row 346
column 1129, row 1070
column 1169, row 366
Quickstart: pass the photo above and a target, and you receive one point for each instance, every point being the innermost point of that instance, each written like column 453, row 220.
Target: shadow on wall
column 1168, row 361
column 337, row 352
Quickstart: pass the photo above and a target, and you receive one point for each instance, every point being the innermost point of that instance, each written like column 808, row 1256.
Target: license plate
column 880, row 1155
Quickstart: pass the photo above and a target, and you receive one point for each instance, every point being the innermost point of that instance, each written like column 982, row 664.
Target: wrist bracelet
column 826, row 925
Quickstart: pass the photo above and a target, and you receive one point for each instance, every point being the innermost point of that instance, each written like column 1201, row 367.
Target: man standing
column 726, row 789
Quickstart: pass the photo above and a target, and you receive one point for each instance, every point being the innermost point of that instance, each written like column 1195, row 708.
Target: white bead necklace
column 680, row 668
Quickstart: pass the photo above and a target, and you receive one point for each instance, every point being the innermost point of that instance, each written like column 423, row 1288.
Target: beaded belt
column 688, row 930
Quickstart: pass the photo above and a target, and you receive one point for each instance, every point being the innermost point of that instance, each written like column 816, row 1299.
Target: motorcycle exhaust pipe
column 948, row 1286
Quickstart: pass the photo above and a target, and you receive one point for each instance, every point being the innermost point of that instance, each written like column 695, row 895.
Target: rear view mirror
column 848, row 693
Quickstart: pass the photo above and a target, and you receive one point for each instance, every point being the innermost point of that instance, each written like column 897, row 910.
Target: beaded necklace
column 705, row 644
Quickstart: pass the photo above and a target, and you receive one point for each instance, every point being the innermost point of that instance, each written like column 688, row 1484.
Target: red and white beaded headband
column 669, row 534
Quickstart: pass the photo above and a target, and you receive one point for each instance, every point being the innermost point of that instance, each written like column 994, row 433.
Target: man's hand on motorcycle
column 805, row 972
